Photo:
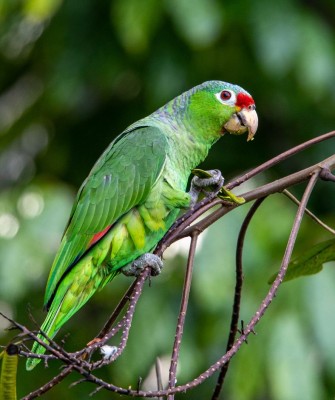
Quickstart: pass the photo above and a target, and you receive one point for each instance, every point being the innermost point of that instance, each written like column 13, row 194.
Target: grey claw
column 215, row 179
column 145, row 260
column 212, row 184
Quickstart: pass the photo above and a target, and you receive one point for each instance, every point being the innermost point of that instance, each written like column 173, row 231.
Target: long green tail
column 49, row 328
column 75, row 289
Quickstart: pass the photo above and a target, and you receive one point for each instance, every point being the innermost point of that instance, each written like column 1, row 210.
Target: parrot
column 135, row 192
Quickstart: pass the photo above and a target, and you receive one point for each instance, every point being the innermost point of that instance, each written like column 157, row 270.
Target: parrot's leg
column 145, row 260
column 211, row 180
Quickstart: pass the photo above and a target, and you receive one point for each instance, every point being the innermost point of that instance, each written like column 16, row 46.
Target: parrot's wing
column 121, row 179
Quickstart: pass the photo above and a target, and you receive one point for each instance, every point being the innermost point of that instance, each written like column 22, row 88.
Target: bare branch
column 182, row 313
column 54, row 381
column 309, row 213
column 281, row 157
column 237, row 294
column 125, row 322
column 262, row 191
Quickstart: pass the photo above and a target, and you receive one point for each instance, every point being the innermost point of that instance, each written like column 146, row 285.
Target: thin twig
column 182, row 313
column 52, row 347
column 281, row 157
column 53, row 382
column 237, row 294
column 126, row 322
column 270, row 188
column 174, row 233
column 308, row 212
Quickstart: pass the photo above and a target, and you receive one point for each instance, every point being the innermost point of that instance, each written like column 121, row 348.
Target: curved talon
column 211, row 180
column 145, row 260
column 215, row 179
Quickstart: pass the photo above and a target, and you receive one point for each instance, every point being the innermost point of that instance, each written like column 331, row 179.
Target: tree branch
column 182, row 313
column 281, row 157
column 237, row 294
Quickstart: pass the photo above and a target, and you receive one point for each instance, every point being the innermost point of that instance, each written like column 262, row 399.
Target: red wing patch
column 98, row 236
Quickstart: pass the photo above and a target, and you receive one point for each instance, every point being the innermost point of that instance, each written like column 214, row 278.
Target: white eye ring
column 231, row 101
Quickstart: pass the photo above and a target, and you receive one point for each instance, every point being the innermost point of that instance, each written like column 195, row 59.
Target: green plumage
column 131, row 197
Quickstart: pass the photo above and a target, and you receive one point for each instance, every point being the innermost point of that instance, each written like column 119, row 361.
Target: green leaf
column 136, row 22
column 199, row 22
column 310, row 262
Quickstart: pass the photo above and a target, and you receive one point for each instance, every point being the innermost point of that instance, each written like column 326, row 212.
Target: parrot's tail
column 61, row 312
column 73, row 292
column 49, row 329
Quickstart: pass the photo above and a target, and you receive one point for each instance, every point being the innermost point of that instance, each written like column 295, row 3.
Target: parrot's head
column 224, row 107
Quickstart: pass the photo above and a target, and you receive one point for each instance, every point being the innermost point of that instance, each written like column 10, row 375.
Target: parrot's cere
column 134, row 194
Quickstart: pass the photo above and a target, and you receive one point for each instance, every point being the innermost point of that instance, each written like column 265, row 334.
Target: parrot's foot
column 145, row 260
column 207, row 182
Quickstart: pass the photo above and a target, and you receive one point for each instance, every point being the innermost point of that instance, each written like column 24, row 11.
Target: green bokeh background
column 73, row 74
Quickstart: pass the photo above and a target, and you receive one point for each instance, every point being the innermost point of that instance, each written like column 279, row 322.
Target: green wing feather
column 121, row 179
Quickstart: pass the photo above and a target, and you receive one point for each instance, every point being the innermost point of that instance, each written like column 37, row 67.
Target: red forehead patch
column 244, row 100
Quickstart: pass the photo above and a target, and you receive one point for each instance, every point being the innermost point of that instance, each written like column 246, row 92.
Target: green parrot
column 134, row 193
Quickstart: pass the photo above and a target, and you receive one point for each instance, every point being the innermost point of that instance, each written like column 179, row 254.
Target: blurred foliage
column 73, row 75
column 310, row 262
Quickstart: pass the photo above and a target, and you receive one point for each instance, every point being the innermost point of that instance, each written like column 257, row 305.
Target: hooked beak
column 242, row 121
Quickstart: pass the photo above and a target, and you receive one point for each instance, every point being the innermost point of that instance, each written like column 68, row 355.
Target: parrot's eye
column 225, row 95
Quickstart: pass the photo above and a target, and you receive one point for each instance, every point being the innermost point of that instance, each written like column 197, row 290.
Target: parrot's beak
column 242, row 121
